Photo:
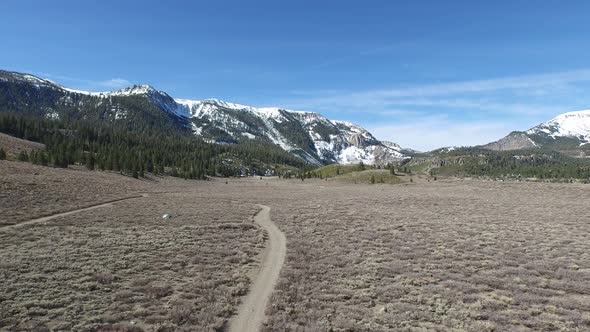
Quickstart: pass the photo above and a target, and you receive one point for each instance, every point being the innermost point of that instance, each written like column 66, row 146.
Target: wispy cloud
column 427, row 133
column 538, row 84
column 453, row 113
column 113, row 83
column 476, row 86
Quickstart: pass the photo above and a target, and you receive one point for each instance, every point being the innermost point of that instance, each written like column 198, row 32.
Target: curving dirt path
column 53, row 216
column 251, row 312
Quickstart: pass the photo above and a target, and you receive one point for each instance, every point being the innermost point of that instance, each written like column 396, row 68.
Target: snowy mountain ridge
column 566, row 131
column 308, row 135
column 572, row 124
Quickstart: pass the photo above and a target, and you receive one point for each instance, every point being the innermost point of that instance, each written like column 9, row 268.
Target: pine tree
column 90, row 161
column 23, row 156
column 361, row 166
column 42, row 157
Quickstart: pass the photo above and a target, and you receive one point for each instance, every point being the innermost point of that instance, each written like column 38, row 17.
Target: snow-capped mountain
column 574, row 125
column 566, row 131
column 308, row 135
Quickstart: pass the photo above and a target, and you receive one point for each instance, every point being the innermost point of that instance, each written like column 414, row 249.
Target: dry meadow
column 451, row 255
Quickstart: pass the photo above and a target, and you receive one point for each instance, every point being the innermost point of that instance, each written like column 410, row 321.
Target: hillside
column 306, row 135
column 535, row 163
column 13, row 146
column 568, row 133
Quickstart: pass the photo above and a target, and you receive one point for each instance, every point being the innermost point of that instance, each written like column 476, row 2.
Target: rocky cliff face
column 306, row 134
column 514, row 141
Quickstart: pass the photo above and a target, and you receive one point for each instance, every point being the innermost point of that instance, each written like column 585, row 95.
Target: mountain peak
column 26, row 78
column 574, row 125
column 566, row 130
column 307, row 135
column 137, row 89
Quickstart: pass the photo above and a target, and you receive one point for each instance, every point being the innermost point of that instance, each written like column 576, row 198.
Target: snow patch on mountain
column 333, row 141
column 307, row 135
column 354, row 155
column 571, row 124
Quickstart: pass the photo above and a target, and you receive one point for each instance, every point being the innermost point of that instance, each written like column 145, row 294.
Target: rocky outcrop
column 514, row 141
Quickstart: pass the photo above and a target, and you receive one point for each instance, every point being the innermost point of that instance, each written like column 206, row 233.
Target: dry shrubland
column 124, row 268
column 28, row 191
column 439, row 256
column 464, row 256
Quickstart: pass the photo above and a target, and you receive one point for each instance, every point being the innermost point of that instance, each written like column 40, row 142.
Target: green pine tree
column 23, row 156
column 90, row 161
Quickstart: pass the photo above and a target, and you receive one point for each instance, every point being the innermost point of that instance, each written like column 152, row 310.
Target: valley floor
column 443, row 255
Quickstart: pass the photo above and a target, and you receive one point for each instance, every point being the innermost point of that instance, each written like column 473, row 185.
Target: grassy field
column 372, row 176
column 124, row 268
column 28, row 191
column 461, row 255
column 446, row 255
column 13, row 146
column 335, row 170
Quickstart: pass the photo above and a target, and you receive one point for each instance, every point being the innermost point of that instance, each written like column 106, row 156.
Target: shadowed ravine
column 251, row 312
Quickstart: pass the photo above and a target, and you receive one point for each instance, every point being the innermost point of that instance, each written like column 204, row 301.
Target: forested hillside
column 306, row 135
column 134, row 151
column 533, row 163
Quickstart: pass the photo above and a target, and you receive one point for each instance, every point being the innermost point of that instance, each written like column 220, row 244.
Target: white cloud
column 425, row 134
column 513, row 83
column 485, row 104
column 525, row 94
column 114, row 83
column 481, row 110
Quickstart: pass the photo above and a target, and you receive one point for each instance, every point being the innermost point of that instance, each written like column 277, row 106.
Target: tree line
column 538, row 163
column 114, row 147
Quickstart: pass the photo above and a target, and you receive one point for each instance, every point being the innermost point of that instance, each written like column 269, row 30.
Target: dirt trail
column 251, row 312
column 53, row 216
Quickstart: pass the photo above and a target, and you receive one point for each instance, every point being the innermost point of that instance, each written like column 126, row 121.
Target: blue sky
column 422, row 73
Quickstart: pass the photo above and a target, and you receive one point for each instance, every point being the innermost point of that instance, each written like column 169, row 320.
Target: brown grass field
column 447, row 255
column 13, row 146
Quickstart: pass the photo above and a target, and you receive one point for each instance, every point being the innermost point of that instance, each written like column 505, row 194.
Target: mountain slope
column 307, row 135
column 572, row 125
column 566, row 132
column 138, row 107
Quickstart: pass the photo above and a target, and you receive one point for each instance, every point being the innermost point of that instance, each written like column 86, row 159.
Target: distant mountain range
column 568, row 132
column 308, row 135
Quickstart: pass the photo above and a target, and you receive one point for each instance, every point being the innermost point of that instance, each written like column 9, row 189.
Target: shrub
column 104, row 278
